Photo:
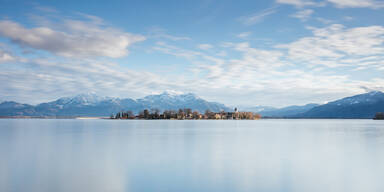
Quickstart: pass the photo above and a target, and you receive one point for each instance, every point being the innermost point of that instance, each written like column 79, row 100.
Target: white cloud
column 303, row 70
column 222, row 53
column 205, row 46
column 158, row 32
column 357, row 3
column 303, row 15
column 253, row 76
column 244, row 35
column 258, row 17
column 257, row 58
column 73, row 38
column 295, row 73
column 373, row 4
column 46, row 9
column 324, row 21
column 176, row 51
column 348, row 18
column 46, row 79
column 5, row 57
column 329, row 45
column 300, row 3
column 174, row 38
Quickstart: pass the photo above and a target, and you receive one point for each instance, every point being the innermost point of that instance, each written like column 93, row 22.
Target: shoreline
column 108, row 118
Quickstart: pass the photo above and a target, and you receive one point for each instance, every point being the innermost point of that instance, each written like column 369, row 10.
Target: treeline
column 379, row 116
column 185, row 114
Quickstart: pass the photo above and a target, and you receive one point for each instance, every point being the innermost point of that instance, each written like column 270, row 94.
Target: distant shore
column 49, row 117
column 108, row 118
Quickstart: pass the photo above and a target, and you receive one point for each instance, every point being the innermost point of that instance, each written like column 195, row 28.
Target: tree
column 379, row 115
column 146, row 114
column 124, row 115
column 173, row 114
column 181, row 114
column 118, row 115
column 155, row 113
column 141, row 115
column 196, row 115
column 207, row 113
column 130, row 115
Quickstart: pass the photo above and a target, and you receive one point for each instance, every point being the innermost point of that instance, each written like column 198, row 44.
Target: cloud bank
column 373, row 4
column 75, row 39
column 63, row 57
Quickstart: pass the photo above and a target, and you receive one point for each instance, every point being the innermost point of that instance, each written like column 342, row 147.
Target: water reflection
column 265, row 155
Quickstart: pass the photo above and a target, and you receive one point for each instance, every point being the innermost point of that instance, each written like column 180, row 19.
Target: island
column 186, row 114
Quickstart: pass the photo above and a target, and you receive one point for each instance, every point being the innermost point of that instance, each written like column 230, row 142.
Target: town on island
column 185, row 114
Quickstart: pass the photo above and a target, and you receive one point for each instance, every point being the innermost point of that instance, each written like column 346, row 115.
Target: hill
column 358, row 106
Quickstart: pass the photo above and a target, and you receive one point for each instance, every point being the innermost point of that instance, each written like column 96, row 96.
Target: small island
column 379, row 116
column 186, row 114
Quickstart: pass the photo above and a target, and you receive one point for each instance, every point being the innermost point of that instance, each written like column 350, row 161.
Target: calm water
column 183, row 156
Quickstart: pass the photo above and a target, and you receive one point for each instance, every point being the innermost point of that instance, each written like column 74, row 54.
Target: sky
column 247, row 53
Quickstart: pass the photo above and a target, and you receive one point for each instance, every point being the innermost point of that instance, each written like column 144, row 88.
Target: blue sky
column 274, row 53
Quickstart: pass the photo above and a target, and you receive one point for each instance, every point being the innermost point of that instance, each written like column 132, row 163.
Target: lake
column 68, row 155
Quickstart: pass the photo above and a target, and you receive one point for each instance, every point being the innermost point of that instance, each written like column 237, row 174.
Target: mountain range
column 362, row 106
column 358, row 106
column 92, row 105
column 289, row 111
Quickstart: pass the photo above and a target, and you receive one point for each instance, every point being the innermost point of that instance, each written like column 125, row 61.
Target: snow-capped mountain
column 358, row 106
column 90, row 104
column 287, row 111
column 367, row 98
column 82, row 99
column 167, row 100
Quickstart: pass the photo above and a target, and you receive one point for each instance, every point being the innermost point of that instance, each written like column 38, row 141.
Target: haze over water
column 133, row 155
